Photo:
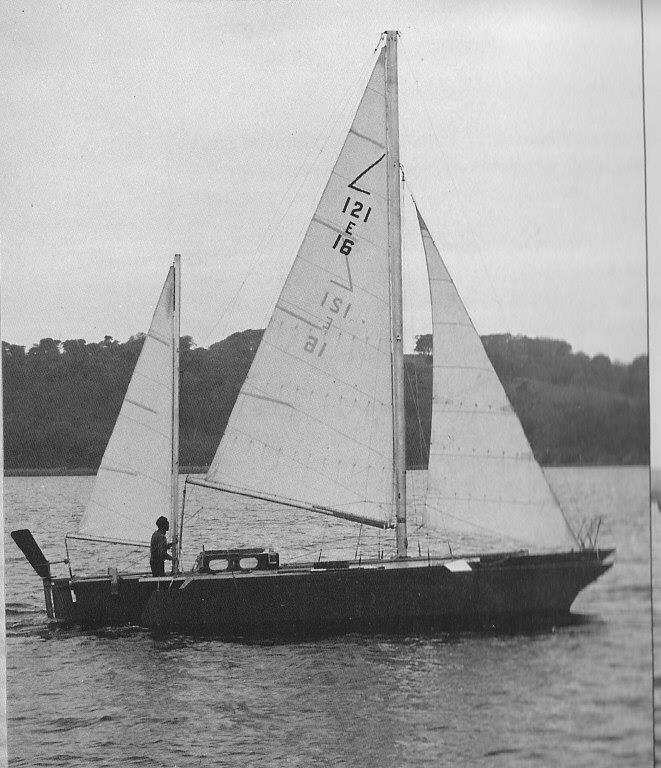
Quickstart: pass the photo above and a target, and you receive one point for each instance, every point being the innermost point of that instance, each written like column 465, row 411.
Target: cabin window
column 218, row 565
column 248, row 563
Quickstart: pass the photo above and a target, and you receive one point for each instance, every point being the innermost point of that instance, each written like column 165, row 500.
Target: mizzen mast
column 174, row 491
column 395, row 264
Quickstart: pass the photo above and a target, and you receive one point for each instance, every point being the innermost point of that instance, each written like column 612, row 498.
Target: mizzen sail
column 133, row 485
column 483, row 481
column 313, row 422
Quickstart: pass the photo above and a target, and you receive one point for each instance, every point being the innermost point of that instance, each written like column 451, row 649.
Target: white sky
column 136, row 130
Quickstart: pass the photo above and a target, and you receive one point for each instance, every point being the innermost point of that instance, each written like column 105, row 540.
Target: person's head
column 162, row 524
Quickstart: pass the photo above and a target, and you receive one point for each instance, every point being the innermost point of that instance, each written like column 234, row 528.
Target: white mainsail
column 313, row 422
column 483, row 480
column 133, row 485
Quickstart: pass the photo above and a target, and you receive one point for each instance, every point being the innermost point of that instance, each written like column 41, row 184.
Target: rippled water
column 579, row 695
column 656, row 586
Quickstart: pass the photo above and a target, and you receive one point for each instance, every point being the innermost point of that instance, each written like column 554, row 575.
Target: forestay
column 313, row 422
column 483, row 481
column 133, row 483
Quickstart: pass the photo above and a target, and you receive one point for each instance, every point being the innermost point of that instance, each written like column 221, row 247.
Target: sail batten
column 482, row 474
column 326, row 351
column 367, row 138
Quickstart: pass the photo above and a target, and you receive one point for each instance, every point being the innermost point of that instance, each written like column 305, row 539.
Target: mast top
column 391, row 36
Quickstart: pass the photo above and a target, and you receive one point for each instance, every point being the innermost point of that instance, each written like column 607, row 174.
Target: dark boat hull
column 395, row 596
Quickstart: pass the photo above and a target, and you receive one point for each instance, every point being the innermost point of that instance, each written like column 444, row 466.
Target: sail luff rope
column 338, row 111
column 461, row 301
column 557, row 501
column 340, row 115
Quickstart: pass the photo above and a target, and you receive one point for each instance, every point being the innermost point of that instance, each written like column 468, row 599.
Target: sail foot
column 320, row 509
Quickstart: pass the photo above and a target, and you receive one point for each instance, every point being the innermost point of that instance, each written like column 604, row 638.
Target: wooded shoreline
column 87, row 472
column 78, row 471
column 61, row 400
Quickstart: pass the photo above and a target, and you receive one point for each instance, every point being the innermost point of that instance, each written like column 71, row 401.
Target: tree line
column 61, row 399
column 574, row 409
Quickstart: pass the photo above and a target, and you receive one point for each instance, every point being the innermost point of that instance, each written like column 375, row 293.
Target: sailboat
column 319, row 425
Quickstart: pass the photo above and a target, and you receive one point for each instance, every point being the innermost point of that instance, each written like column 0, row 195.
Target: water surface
column 578, row 695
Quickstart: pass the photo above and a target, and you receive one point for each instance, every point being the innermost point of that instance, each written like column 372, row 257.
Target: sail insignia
column 326, row 351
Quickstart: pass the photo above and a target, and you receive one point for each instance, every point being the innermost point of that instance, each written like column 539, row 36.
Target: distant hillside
column 574, row 409
column 61, row 399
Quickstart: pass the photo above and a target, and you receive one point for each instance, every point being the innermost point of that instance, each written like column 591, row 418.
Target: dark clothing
column 158, row 553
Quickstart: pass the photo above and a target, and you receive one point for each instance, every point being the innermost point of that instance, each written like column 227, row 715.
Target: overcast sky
column 137, row 130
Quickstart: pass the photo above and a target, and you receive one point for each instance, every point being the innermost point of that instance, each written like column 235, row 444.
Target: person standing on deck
column 158, row 548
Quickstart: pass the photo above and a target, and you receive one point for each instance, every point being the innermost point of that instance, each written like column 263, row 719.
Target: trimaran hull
column 495, row 591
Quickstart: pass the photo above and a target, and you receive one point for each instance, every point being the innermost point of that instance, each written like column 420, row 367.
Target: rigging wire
column 292, row 190
column 414, row 389
column 462, row 207
column 323, row 541
column 441, row 511
column 406, row 281
column 336, row 534
column 491, row 532
column 360, row 530
column 551, row 490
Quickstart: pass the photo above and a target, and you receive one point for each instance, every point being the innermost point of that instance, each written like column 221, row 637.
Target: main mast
column 174, row 491
column 395, row 263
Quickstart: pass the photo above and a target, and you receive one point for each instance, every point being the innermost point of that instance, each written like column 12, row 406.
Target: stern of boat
column 58, row 595
column 60, row 601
